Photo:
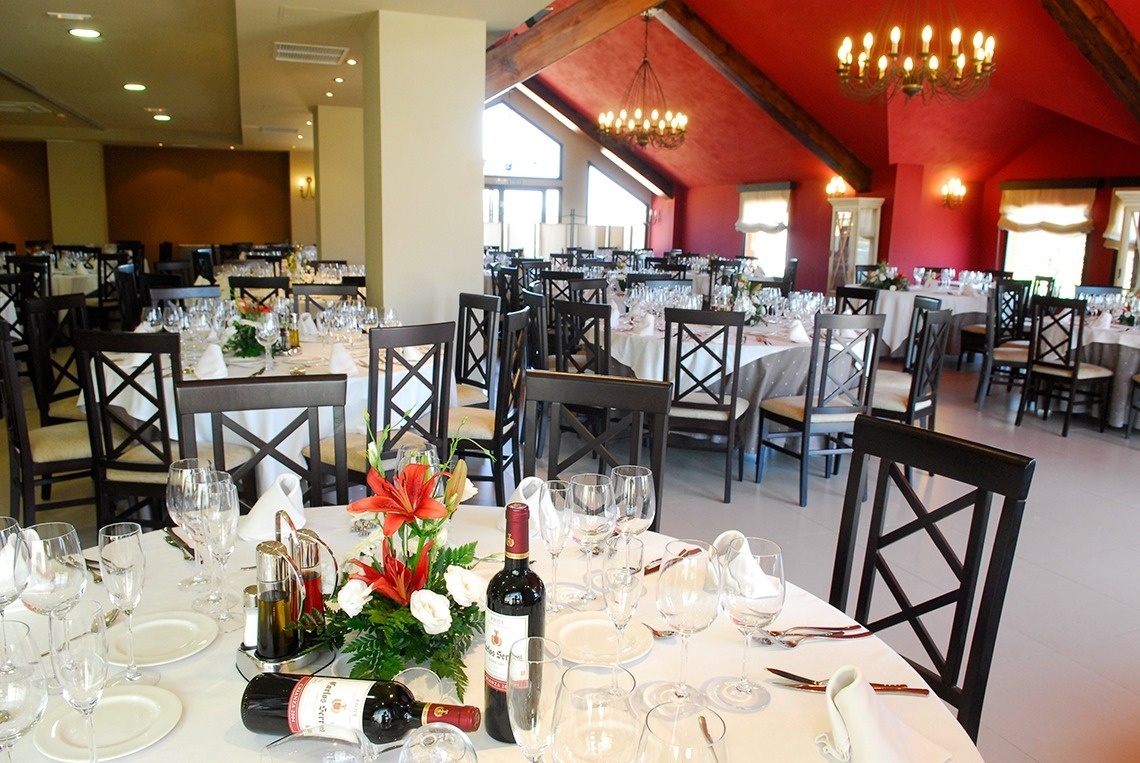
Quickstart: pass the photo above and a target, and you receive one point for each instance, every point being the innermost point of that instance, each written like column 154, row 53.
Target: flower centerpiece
column 406, row 597
column 242, row 341
column 885, row 277
column 758, row 315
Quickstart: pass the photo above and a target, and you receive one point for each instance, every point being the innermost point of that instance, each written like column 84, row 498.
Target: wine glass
column 172, row 319
column 687, row 598
column 592, row 517
column 13, row 566
column 623, row 572
column 594, row 719
column 310, row 746
column 370, row 319
column 81, row 662
column 752, row 595
column 416, row 453
column 219, row 524
column 57, row 574
column 437, row 743
column 23, row 688
column 182, row 481
column 684, row 730
column 123, row 567
column 534, row 670
column 554, row 526
column 267, row 332
column 389, row 317
column 634, row 497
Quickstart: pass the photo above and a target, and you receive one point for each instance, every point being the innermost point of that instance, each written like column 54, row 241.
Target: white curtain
column 764, row 211
column 1055, row 210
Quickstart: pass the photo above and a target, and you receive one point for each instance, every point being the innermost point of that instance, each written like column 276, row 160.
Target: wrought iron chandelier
column 643, row 117
column 912, row 61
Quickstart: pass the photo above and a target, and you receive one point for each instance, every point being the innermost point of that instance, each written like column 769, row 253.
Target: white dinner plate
column 127, row 719
column 246, row 362
column 162, row 638
column 593, row 638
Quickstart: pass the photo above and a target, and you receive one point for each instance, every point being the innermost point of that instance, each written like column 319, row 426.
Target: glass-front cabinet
column 854, row 238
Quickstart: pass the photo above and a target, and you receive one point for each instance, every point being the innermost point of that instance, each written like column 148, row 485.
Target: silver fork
column 794, row 640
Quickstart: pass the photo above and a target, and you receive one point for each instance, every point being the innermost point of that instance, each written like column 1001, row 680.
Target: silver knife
column 173, row 539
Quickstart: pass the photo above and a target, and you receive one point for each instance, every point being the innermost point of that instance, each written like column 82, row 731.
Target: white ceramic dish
column 162, row 638
column 593, row 638
column 127, row 719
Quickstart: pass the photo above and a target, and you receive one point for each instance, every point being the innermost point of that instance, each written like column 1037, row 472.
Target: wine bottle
column 515, row 610
column 280, row 703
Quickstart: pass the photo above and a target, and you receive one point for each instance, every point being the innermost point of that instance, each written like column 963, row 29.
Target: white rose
column 353, row 596
column 431, row 609
column 469, row 491
column 465, row 586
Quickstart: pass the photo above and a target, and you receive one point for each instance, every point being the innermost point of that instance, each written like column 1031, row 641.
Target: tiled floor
column 1065, row 684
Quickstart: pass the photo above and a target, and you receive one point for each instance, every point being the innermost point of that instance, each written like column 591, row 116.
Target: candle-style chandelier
column 912, row 60
column 643, row 117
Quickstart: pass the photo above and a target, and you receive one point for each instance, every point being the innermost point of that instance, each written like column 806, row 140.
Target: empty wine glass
column 123, row 567
column 57, row 574
column 437, row 743
column 594, row 719
column 684, row 730
column 267, row 332
column 13, row 566
column 81, row 662
column 554, row 527
column 534, row 671
column 23, row 688
column 752, row 595
column 623, row 571
column 370, row 319
column 309, row 746
column 592, row 516
column 172, row 319
column 388, row 317
column 182, row 484
column 634, row 497
column 219, row 526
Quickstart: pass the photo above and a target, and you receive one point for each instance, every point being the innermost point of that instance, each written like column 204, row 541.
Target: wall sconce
column 953, row 192
column 836, row 187
column 307, row 190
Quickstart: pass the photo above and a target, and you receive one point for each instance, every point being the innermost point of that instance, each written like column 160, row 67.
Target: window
column 608, row 205
column 513, row 147
column 764, row 223
column 1047, row 232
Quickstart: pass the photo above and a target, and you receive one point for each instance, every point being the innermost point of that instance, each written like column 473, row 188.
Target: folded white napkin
column 211, row 365
column 646, row 325
column 532, row 492
column 200, row 281
column 412, row 352
column 146, row 328
column 798, row 334
column 744, row 572
column 1102, row 321
column 261, row 521
column 616, row 314
column 968, row 290
column 341, row 362
column 306, row 325
column 864, row 730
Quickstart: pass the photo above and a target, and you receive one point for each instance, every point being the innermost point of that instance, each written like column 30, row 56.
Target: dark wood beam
column 555, row 37
column 1104, row 40
column 590, row 128
column 765, row 93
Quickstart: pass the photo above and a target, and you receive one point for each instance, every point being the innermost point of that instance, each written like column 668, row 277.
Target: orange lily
column 404, row 500
column 395, row 580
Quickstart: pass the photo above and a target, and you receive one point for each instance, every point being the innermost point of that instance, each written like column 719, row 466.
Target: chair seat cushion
column 59, row 442
column 683, row 410
column 792, row 407
column 894, row 401
column 234, row 454
column 1087, row 371
column 67, row 409
column 887, row 378
column 1011, row 354
column 356, row 444
column 475, row 423
column 468, row 395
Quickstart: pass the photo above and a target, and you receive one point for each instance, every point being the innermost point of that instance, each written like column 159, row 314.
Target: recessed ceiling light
column 69, row 16
column 86, row 34
column 134, row 87
column 161, row 117
column 231, row 148
column 338, row 80
column 351, row 62
column 329, row 94
column 300, row 136
column 309, row 122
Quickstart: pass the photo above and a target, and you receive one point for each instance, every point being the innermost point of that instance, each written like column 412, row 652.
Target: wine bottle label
column 328, row 706
column 501, row 632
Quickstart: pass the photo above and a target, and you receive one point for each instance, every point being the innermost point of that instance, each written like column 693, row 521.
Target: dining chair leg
column 728, row 473
column 760, row 448
column 804, row 471
column 1069, row 411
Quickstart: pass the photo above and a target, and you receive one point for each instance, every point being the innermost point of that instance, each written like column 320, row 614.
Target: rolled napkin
column 261, row 521
column 864, row 730
column 1102, row 321
column 532, row 492
column 646, row 325
column 306, row 325
column 341, row 362
column 797, row 333
column 211, row 365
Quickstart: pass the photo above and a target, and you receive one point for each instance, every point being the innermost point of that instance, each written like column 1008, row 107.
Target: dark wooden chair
column 182, row 295
column 537, row 332
column 1007, row 306
column 148, row 281
column 221, row 397
column 475, row 354
column 259, row 290
column 1006, row 352
column 39, row 267
column 202, row 261
column 555, row 286
column 314, row 298
column 1042, row 286
column 840, row 382
column 919, row 402
column 791, row 269
column 862, row 272
column 508, row 286
column 901, row 380
column 955, row 623
column 103, row 303
column 581, row 337
column 52, row 323
column 591, row 290
column 856, row 300
column 15, row 290
column 184, row 269
column 1133, row 405
column 130, row 308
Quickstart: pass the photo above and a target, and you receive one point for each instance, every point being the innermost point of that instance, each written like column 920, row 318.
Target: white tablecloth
column 1116, row 348
column 210, row 687
column 898, row 306
column 80, row 281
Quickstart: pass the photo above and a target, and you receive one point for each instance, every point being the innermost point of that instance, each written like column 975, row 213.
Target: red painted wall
column 710, row 216
column 25, row 206
column 923, row 232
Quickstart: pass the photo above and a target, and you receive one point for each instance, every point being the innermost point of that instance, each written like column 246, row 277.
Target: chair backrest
column 627, row 260
column 634, row 407
column 633, row 279
column 184, row 269
column 15, row 289
column 926, row 370
column 956, row 667
column 475, row 356
column 261, row 290
column 510, row 374
column 555, row 286
column 662, row 264
column 537, row 330
column 844, row 357
column 1058, row 333
column 409, row 383
column 862, row 271
column 702, row 357
column 581, row 337
column 357, row 282
column 127, row 285
column 566, row 260
column 999, row 274
column 790, row 270
column 921, row 306
column 1042, row 286
column 508, row 286
column 315, row 298
column 39, row 267
column 1010, row 303
column 181, row 294
column 52, row 323
column 219, row 398
column 591, row 290
column 148, row 281
column 856, row 300
column 203, row 264
column 12, row 399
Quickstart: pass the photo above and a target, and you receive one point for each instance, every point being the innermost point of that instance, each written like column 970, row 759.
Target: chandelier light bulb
column 896, row 35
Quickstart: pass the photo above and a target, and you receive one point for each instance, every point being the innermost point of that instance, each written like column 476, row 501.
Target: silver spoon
column 660, row 633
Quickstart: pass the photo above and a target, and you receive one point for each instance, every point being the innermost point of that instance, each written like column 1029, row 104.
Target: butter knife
column 655, row 565
column 878, row 688
column 175, row 540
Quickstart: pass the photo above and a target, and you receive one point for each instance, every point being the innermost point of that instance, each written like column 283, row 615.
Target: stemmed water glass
column 687, row 597
column 13, row 566
column 752, row 595
column 123, row 567
column 267, row 332
column 623, row 571
column 634, row 497
column 81, row 662
column 388, row 317
column 219, row 526
column 592, row 516
column 182, row 485
column 594, row 719
column 554, row 527
column 23, row 688
column 57, row 574
column 534, row 671
column 683, row 730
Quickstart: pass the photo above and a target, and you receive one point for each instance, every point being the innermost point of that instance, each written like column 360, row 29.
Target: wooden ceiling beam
column 765, row 93
column 555, row 37
column 1103, row 39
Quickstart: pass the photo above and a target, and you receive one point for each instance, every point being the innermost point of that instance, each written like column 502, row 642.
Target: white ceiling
column 208, row 63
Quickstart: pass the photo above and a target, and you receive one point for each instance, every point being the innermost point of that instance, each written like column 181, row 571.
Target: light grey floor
column 1065, row 684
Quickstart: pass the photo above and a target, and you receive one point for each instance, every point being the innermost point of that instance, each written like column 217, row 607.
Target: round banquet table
column 210, row 687
column 966, row 309
column 1118, row 349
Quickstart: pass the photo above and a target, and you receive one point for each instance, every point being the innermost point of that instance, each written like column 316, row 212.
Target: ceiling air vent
column 276, row 129
column 23, row 107
column 301, row 53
